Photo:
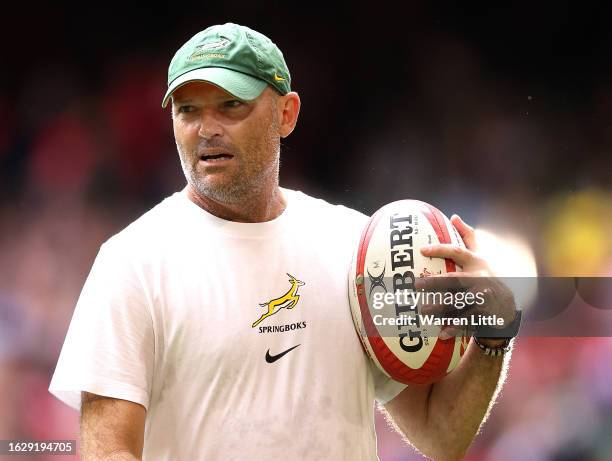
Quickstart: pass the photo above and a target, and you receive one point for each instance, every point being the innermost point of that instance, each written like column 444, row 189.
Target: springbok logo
column 287, row 301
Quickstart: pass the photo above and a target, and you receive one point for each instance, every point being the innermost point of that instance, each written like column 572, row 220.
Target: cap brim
column 239, row 85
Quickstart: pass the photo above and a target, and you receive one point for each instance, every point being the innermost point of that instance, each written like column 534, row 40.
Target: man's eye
column 185, row 109
column 233, row 103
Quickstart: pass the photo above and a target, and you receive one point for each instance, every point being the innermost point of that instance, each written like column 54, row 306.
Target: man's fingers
column 465, row 231
column 435, row 310
column 451, row 281
column 440, row 311
column 459, row 255
column 459, row 304
column 450, row 332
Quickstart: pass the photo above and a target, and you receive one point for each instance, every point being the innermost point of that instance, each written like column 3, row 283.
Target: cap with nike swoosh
column 235, row 58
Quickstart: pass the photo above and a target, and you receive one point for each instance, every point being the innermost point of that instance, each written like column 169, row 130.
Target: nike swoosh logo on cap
column 274, row 358
column 278, row 78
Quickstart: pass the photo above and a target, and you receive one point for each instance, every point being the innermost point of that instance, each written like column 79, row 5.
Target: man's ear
column 289, row 109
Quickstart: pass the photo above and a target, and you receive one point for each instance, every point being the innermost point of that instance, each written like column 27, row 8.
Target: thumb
column 465, row 231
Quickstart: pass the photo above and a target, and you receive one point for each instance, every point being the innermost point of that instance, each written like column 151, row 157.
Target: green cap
column 235, row 58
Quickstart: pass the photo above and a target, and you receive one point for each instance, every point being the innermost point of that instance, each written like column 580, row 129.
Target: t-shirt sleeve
column 109, row 347
column 385, row 389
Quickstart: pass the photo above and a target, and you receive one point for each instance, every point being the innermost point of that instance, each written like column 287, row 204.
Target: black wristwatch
column 508, row 332
column 495, row 351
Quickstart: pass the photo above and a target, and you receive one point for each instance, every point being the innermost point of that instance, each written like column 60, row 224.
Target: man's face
column 229, row 149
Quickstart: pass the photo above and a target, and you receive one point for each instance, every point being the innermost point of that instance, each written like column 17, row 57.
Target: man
column 217, row 325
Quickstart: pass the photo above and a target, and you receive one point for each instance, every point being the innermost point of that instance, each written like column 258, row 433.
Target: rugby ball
column 384, row 302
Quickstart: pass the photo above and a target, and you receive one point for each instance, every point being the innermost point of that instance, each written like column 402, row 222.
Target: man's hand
column 111, row 429
column 476, row 278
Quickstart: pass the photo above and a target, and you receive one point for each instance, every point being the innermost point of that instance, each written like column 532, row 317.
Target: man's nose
column 210, row 125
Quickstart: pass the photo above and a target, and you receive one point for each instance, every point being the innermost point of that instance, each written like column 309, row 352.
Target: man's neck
column 261, row 207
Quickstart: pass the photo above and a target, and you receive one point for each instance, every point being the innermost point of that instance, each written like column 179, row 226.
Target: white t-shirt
column 173, row 317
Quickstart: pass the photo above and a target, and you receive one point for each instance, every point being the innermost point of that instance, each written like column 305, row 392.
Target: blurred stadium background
column 500, row 113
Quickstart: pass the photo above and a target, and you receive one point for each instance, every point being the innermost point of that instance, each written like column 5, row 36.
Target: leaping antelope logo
column 287, row 301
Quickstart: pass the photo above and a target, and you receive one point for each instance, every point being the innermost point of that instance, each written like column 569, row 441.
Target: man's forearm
column 111, row 429
column 120, row 456
column 92, row 453
column 459, row 403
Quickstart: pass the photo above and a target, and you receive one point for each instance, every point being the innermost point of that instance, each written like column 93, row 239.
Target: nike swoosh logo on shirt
column 274, row 358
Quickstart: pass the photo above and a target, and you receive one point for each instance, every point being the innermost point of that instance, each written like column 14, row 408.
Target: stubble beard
column 250, row 179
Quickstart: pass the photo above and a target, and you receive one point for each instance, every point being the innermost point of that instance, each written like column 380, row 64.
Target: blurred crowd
column 79, row 161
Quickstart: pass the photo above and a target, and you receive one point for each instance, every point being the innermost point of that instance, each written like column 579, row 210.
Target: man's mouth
column 215, row 157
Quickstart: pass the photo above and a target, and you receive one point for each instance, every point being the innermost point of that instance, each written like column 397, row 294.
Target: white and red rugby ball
column 388, row 259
